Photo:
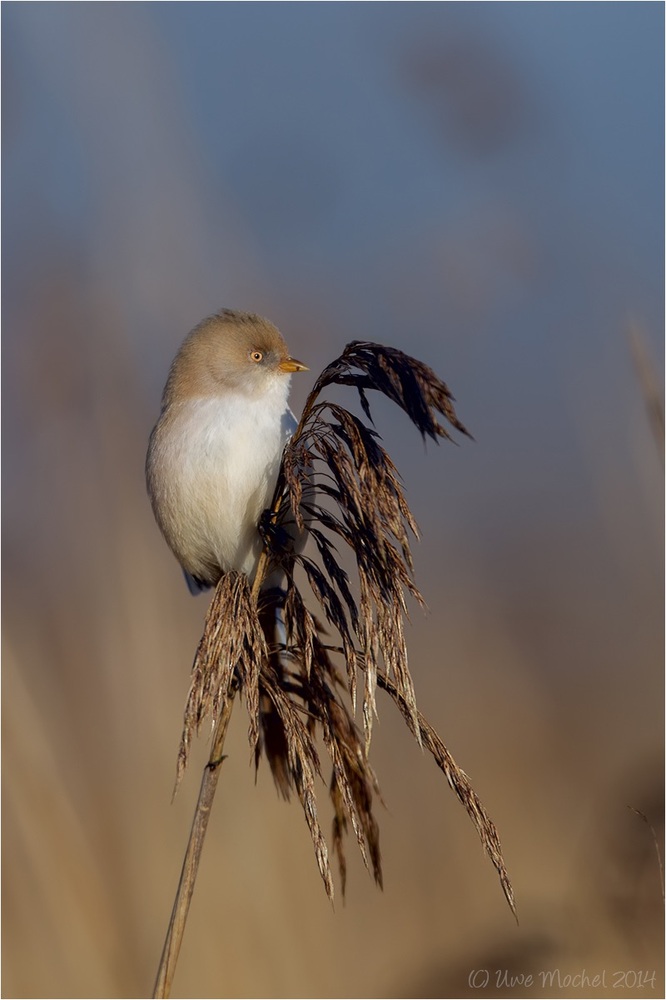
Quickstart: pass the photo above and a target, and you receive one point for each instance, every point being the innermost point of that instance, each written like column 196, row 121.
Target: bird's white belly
column 226, row 469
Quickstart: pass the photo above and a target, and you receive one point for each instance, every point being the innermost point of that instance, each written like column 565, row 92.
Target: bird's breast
column 217, row 462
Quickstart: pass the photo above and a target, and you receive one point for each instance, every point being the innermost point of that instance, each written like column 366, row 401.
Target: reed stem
column 190, row 868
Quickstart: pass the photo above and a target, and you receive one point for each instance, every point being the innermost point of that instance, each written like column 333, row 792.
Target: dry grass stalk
column 294, row 691
column 650, row 389
column 188, row 875
column 462, row 786
column 657, row 847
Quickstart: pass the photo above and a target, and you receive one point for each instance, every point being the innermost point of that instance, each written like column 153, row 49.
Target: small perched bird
column 214, row 454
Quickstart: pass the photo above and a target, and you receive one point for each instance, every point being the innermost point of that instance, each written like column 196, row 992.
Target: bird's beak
column 292, row 365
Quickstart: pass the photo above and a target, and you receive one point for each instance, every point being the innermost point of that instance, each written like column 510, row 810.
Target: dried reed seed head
column 339, row 485
column 233, row 647
column 411, row 384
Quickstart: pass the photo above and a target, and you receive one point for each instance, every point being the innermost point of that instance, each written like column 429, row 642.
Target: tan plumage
column 215, row 451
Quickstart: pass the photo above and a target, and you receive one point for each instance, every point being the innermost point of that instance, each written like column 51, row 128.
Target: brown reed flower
column 339, row 488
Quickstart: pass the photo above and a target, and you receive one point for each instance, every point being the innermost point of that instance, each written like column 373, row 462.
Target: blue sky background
column 480, row 184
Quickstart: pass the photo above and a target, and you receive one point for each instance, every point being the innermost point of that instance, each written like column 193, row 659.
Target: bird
column 214, row 454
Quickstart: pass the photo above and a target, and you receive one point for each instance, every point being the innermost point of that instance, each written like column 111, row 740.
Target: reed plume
column 300, row 676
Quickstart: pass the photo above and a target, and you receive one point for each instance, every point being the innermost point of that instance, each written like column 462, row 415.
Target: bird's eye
column 256, row 356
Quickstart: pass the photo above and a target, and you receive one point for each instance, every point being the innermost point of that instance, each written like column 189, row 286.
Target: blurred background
column 482, row 186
